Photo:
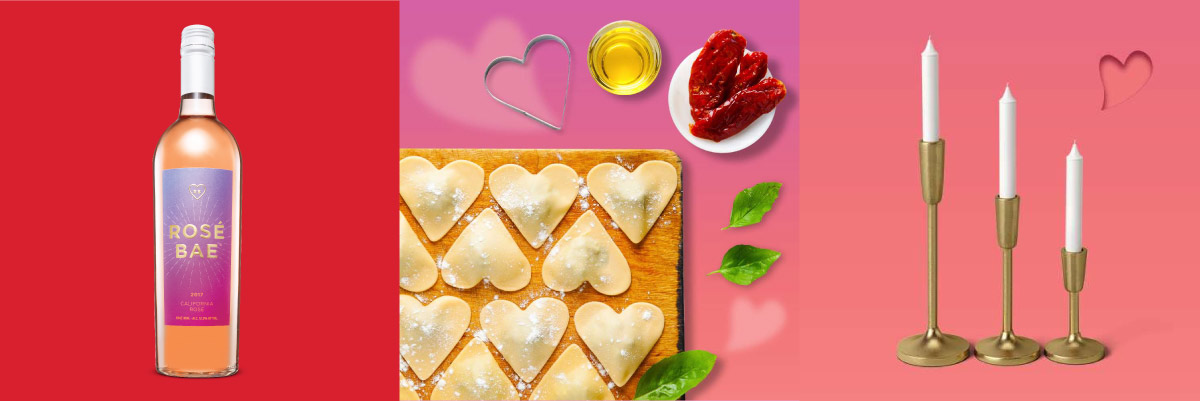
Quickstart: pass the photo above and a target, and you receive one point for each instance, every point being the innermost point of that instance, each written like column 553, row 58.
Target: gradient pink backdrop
column 850, row 128
column 863, row 238
column 751, row 329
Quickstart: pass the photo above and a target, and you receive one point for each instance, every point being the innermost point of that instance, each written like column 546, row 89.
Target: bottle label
column 197, row 237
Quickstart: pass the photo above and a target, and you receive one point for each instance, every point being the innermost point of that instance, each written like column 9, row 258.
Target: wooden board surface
column 656, row 264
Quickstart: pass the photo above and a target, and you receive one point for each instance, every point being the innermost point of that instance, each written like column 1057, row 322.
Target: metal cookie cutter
column 504, row 59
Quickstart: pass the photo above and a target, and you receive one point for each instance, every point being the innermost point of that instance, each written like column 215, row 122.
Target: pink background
column 825, row 322
column 863, row 218
column 443, row 53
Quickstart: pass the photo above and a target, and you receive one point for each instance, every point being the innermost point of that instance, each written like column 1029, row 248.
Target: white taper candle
column 1074, row 240
column 929, row 93
column 1008, row 145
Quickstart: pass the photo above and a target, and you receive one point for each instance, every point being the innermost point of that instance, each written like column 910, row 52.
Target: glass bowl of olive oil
column 624, row 57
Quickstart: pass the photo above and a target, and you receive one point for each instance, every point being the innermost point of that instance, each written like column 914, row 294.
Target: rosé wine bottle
column 197, row 227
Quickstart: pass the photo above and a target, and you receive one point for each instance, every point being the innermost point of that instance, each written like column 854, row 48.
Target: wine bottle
column 197, row 226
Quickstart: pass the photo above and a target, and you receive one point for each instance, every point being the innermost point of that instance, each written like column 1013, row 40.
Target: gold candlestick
column 1007, row 349
column 932, row 348
column 1074, row 349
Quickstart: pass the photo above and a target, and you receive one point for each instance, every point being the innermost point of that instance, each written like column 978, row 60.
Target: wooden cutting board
column 656, row 264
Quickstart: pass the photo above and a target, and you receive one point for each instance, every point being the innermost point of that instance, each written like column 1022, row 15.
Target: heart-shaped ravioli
column 438, row 198
column 485, row 249
column 429, row 332
column 586, row 253
column 527, row 337
column 535, row 203
column 572, row 377
column 417, row 270
column 619, row 341
column 634, row 200
column 474, row 375
column 406, row 391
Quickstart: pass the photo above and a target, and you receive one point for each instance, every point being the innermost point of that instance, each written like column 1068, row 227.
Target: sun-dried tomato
column 752, row 70
column 714, row 69
column 740, row 110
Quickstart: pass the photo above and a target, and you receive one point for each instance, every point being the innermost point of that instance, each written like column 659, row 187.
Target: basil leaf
column 743, row 264
column 752, row 203
column 671, row 377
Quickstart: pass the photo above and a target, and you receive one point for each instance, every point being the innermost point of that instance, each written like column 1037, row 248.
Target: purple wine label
column 197, row 237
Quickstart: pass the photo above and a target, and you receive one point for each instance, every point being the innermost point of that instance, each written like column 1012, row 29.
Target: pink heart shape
column 752, row 325
column 444, row 76
column 1123, row 80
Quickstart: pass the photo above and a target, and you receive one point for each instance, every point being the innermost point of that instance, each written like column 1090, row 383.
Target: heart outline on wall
column 1123, row 80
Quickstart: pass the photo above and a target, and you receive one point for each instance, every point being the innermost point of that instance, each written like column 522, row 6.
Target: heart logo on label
column 197, row 190
column 521, row 61
column 1123, row 80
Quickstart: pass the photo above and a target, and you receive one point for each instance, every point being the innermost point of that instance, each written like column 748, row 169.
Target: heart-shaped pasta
column 474, row 375
column 586, row 253
column 485, row 249
column 417, row 270
column 619, row 341
column 572, row 377
column 634, row 200
column 534, row 203
column 527, row 337
column 429, row 332
column 438, row 198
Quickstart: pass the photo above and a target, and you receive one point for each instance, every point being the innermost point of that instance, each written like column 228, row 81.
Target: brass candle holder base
column 1007, row 349
column 1074, row 349
column 932, row 348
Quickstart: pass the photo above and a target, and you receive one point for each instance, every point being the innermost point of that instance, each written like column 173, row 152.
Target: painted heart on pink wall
column 1122, row 80
column 752, row 325
column 445, row 75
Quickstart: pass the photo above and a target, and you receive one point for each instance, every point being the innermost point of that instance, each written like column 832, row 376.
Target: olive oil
column 624, row 57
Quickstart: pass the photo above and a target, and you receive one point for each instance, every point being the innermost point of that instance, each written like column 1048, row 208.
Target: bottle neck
column 197, row 62
column 196, row 83
column 196, row 72
column 197, row 104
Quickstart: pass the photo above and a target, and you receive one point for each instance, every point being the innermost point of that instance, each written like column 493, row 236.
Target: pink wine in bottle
column 197, row 226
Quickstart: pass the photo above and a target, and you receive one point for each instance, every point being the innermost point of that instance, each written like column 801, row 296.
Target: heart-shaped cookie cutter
column 521, row 61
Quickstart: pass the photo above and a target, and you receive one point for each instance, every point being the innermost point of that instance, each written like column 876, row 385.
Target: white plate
column 681, row 114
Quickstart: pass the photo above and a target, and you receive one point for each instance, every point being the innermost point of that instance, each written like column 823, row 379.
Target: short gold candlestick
column 1074, row 349
column 932, row 348
column 1007, row 349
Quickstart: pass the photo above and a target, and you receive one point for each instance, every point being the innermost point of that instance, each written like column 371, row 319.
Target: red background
column 310, row 92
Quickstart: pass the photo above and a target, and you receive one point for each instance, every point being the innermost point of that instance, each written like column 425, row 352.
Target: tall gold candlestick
column 1007, row 349
column 1074, row 349
column 932, row 348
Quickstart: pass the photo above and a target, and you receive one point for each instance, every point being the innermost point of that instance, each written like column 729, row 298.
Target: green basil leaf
column 743, row 264
column 752, row 203
column 671, row 377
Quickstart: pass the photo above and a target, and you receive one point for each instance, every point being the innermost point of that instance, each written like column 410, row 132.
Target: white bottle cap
column 197, row 53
